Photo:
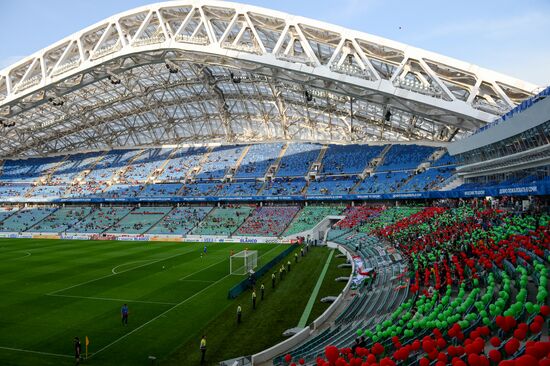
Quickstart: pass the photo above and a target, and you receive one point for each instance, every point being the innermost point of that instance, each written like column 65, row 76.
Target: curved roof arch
column 187, row 71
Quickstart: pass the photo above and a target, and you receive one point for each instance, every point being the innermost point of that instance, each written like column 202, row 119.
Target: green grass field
column 52, row 290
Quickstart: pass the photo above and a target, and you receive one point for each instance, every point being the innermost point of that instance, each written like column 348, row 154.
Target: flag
column 87, row 343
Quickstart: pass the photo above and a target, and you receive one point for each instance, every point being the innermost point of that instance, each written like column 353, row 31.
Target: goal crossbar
column 243, row 262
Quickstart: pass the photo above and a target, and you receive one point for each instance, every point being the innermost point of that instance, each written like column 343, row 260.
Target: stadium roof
column 196, row 71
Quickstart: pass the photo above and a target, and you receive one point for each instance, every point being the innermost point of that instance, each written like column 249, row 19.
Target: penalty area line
column 167, row 311
column 117, row 300
column 117, row 273
column 35, row 352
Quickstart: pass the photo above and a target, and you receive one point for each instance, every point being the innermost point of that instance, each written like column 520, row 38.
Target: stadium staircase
column 272, row 170
column 371, row 167
column 40, row 221
column 231, row 171
column 191, row 173
column 118, row 176
column 364, row 307
column 453, row 182
column 118, row 220
column 155, row 173
column 79, row 178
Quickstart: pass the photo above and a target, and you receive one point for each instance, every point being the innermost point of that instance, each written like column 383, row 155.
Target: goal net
column 243, row 262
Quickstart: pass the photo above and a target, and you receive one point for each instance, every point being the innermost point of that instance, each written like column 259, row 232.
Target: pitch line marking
column 167, row 311
column 24, row 256
column 125, row 264
column 111, row 274
column 35, row 352
column 118, row 300
column 191, row 274
column 203, row 281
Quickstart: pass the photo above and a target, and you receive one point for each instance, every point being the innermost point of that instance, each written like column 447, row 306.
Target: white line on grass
column 114, row 274
column 24, row 256
column 203, row 281
column 118, row 300
column 168, row 310
column 158, row 316
column 35, row 352
column 113, row 271
column 212, row 265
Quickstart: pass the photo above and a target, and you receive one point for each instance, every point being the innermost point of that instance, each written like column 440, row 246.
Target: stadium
column 208, row 182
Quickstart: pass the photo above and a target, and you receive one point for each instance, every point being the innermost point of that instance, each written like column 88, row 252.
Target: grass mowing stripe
column 170, row 309
column 114, row 274
column 305, row 315
column 118, row 300
column 212, row 265
column 35, row 352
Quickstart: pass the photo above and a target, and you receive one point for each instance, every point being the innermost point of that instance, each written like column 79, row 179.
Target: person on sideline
column 77, row 350
column 124, row 314
column 203, row 349
column 254, row 299
column 262, row 291
column 273, row 276
column 239, row 314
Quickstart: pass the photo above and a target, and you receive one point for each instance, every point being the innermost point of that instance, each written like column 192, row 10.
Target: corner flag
column 87, row 343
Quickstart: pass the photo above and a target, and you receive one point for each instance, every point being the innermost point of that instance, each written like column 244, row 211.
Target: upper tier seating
column 144, row 165
column 13, row 191
column 73, row 166
column 28, row 170
column 25, row 218
column 181, row 162
column 120, row 191
column 268, row 221
column 218, row 161
column 40, row 193
column 201, row 189
column 62, row 219
column 349, row 159
column 430, row 179
column 405, row 157
column 310, row 216
column 120, row 174
column 444, row 160
column 383, row 182
column 100, row 220
column 139, row 220
column 298, row 159
column 223, row 220
column 245, row 188
column 180, row 220
column 258, row 158
column 281, row 187
column 331, row 186
column 111, row 163
column 160, row 190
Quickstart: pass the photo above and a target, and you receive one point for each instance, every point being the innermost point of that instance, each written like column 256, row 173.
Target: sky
column 508, row 36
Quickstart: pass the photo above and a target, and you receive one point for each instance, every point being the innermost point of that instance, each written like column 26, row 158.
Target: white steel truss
column 192, row 71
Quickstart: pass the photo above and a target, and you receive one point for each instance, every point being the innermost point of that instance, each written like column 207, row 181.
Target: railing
column 351, row 70
column 192, row 39
column 242, row 47
column 149, row 40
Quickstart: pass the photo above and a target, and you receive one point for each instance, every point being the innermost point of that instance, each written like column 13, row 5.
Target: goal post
column 243, row 262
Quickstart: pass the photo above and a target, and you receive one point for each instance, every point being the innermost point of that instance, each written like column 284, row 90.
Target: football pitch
column 54, row 290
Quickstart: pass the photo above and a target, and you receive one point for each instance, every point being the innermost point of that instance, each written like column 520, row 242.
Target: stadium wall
column 284, row 346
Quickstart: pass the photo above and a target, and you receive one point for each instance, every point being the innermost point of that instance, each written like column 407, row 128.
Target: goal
column 243, row 262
